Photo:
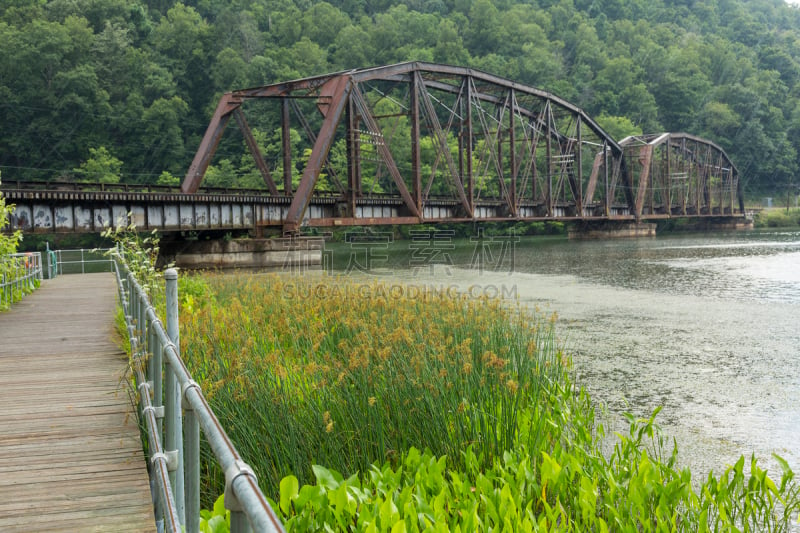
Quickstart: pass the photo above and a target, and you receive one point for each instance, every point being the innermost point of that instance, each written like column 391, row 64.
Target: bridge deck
column 70, row 454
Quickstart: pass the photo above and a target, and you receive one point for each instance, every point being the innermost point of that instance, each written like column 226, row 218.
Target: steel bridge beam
column 65, row 208
column 202, row 159
column 691, row 175
column 421, row 134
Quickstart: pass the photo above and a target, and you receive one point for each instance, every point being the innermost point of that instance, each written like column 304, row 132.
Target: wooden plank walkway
column 70, row 454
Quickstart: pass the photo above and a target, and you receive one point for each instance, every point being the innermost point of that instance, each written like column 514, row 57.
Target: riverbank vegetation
column 375, row 407
column 8, row 241
column 777, row 218
column 11, row 268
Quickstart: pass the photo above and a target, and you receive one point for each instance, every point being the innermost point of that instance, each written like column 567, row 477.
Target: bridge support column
column 718, row 224
column 298, row 253
column 611, row 230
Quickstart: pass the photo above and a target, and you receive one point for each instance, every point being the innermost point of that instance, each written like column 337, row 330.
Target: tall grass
column 342, row 374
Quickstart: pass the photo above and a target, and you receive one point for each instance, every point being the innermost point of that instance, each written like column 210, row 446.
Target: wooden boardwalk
column 70, row 454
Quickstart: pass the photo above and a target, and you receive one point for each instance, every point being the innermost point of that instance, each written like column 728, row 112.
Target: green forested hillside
column 103, row 89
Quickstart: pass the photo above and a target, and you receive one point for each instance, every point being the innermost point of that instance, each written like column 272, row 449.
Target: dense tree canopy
column 123, row 89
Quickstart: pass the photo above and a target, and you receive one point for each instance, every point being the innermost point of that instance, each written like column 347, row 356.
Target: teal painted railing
column 19, row 274
column 79, row 261
column 173, row 412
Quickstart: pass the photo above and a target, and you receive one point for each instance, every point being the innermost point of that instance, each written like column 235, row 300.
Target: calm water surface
column 708, row 327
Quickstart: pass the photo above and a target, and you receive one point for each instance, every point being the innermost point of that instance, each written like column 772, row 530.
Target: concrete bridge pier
column 611, row 229
column 721, row 224
column 285, row 253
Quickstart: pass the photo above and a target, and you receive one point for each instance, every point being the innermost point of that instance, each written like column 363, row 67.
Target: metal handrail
column 162, row 374
column 80, row 260
column 17, row 272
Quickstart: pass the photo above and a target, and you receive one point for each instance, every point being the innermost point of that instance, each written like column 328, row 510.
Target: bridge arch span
column 679, row 174
column 432, row 142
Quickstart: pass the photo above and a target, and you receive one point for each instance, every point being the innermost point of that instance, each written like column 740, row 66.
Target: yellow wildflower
column 512, row 386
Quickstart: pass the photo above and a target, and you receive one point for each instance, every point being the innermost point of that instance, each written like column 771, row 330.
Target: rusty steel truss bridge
column 410, row 143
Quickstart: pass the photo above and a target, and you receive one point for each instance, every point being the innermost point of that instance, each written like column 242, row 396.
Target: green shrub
column 777, row 218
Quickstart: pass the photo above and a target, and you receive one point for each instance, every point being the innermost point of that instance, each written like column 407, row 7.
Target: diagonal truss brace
column 386, row 155
column 255, row 151
column 336, row 90
column 222, row 115
column 441, row 139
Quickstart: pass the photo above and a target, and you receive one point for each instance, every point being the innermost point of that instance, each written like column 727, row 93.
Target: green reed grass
column 327, row 371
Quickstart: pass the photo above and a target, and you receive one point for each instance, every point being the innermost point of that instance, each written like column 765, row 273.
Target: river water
column 705, row 326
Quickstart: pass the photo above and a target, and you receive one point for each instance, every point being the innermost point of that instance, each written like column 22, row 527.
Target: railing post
column 155, row 370
column 174, row 434
column 239, row 523
column 126, row 287
column 141, row 319
column 154, row 375
column 192, row 466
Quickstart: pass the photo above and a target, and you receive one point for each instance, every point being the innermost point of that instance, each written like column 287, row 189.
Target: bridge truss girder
column 485, row 147
column 678, row 174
